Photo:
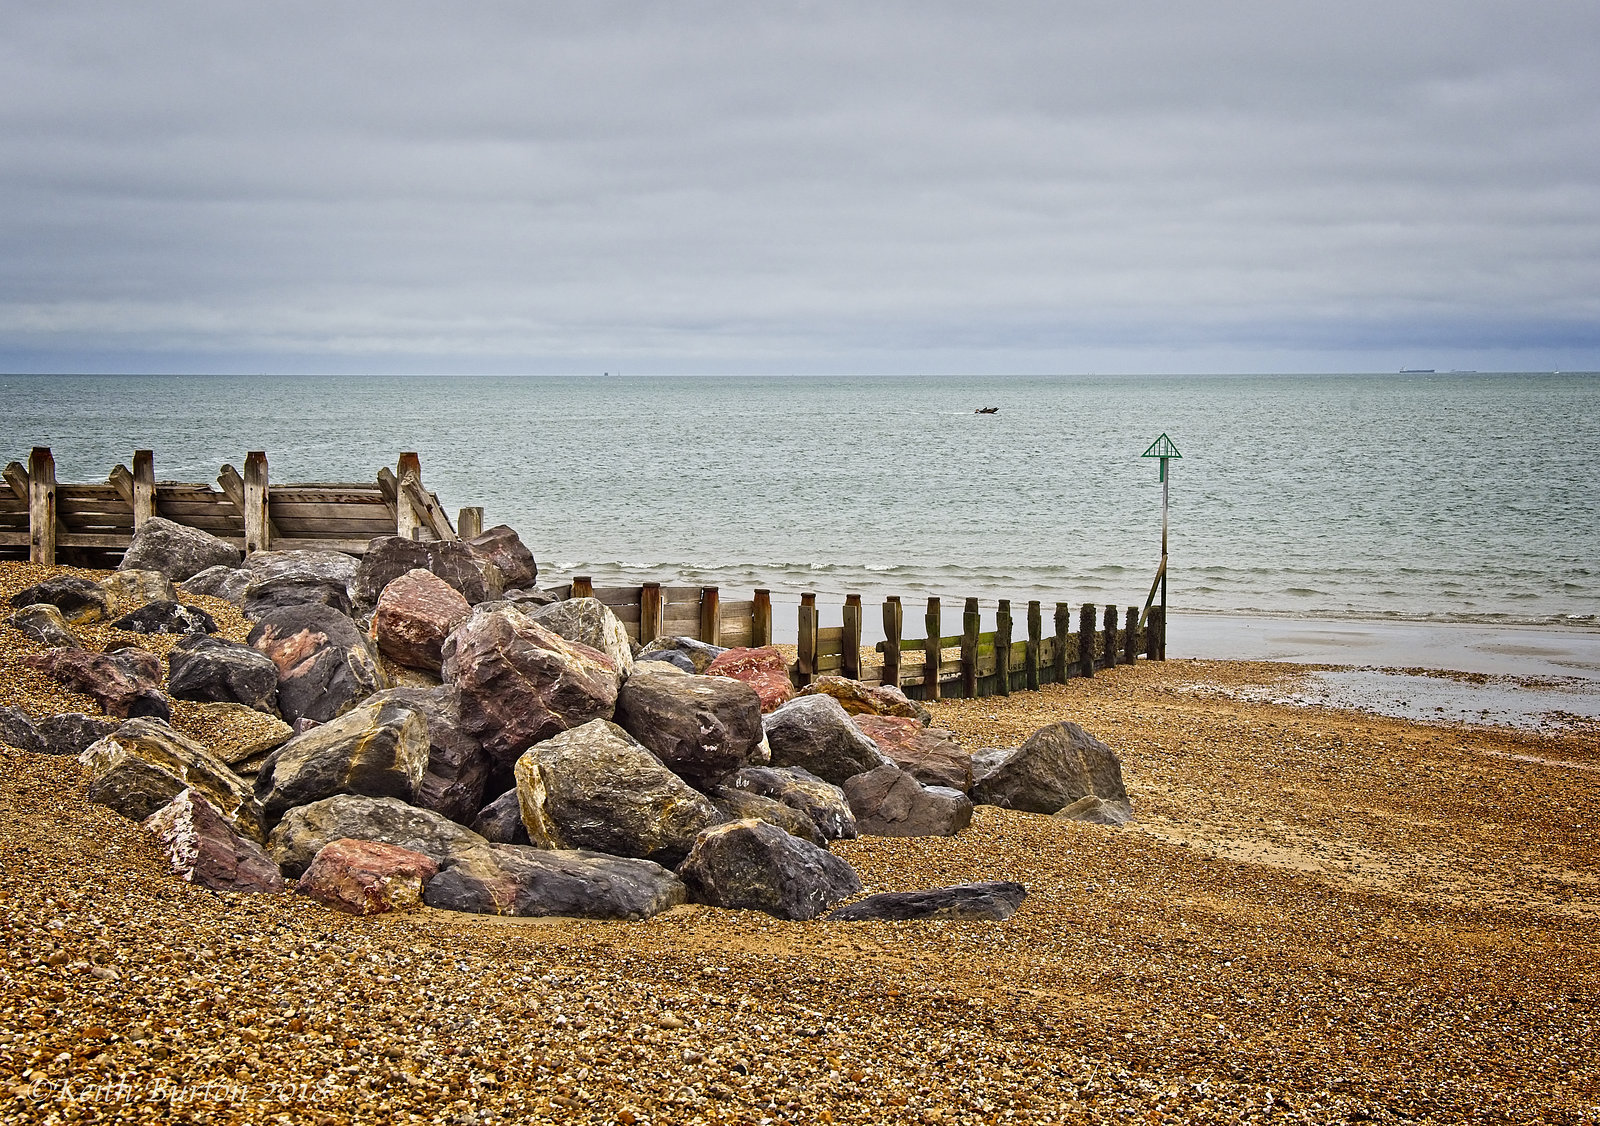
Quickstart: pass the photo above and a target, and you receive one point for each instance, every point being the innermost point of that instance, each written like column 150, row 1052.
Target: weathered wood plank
column 145, row 501
column 761, row 618
column 805, row 665
column 893, row 624
column 1002, row 647
column 429, row 511
column 737, row 631
column 408, row 517
column 969, row 649
column 469, row 522
column 121, row 480
column 850, row 640
column 1086, row 638
column 17, row 478
column 650, row 617
column 582, row 586
column 42, row 506
column 257, row 528
column 1030, row 655
column 1130, row 636
column 930, row 651
column 710, row 616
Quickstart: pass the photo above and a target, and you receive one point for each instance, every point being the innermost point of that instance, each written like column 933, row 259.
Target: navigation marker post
column 1165, row 449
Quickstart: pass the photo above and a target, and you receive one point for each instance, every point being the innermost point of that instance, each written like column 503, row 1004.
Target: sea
column 1427, row 497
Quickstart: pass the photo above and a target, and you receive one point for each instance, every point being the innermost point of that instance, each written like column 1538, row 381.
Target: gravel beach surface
column 1317, row 916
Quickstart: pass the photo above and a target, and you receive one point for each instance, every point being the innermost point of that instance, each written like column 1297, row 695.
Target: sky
column 792, row 188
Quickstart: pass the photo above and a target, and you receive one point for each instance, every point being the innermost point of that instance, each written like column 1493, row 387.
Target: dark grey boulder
column 78, row 599
column 144, row 764
column 377, row 750
column 588, row 621
column 500, row 822
column 306, row 828
column 822, row 802
column 389, row 557
column 222, row 581
column 889, row 802
column 1056, row 766
column 302, row 577
column 702, row 727
column 17, row 730
column 262, row 595
column 458, row 769
column 45, row 625
column 754, row 865
column 1095, row 811
column 681, row 661
column 218, row 670
column 995, row 901
column 517, row 880
column 595, row 787
column 176, row 551
column 700, row 654
column 325, row 666
column 504, row 549
column 816, row 734
column 167, row 617
column 741, row 805
column 71, row 733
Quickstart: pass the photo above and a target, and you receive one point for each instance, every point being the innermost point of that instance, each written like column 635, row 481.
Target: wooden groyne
column 91, row 525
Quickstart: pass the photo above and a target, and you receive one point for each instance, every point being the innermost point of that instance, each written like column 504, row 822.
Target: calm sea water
column 1439, row 497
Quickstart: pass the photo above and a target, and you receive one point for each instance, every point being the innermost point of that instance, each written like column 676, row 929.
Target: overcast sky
column 786, row 187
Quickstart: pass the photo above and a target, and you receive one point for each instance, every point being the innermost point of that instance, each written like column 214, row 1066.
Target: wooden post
column 1002, row 647
column 582, row 587
column 1130, row 636
column 711, row 615
column 761, row 623
column 144, row 487
column 408, row 521
column 42, row 506
column 1035, row 643
column 805, row 664
column 1063, row 631
column 649, row 613
column 257, row 536
column 17, row 479
column 932, row 652
column 969, row 649
column 1152, row 635
column 850, row 658
column 1110, row 651
column 1161, row 635
column 893, row 624
column 469, row 522
column 1086, row 640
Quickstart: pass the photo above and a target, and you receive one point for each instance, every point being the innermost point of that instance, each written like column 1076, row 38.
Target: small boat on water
column 987, row 410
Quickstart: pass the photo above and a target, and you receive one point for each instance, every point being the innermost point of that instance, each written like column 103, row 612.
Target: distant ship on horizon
column 1416, row 371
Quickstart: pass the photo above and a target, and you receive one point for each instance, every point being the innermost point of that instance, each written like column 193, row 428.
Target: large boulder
column 203, row 847
column 72, row 733
column 930, row 754
column 415, row 613
column 742, row 805
column 502, row 547
column 996, row 900
column 378, row 750
column 325, row 667
column 167, row 617
column 1056, row 766
column 305, row 829
column 500, row 822
column 366, row 877
column 458, row 770
column 176, row 551
column 702, row 727
column 588, row 621
column 699, row 654
column 519, row 880
column 754, row 865
column 126, row 683
column 222, row 581
column 296, row 578
column 595, row 787
column 389, row 557
column 521, row 683
column 17, row 730
column 865, row 699
column 763, row 669
column 823, row 803
column 44, row 625
column 79, row 600
column 888, row 802
column 238, row 735
column 216, row 669
column 144, row 764
column 815, row 733
column 128, row 590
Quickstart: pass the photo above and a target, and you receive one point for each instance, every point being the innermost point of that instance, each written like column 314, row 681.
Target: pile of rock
column 597, row 779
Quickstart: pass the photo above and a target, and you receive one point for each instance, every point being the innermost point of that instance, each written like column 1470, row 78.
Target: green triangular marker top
column 1162, row 447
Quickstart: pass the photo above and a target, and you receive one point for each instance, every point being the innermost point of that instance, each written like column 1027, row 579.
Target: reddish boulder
column 206, row 849
column 521, row 683
column 931, row 755
column 863, row 699
column 126, row 683
column 366, row 877
column 501, row 546
column 763, row 669
column 415, row 613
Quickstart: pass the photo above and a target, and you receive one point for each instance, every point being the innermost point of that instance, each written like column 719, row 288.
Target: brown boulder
column 126, row 683
column 415, row 613
column 888, row 802
column 763, row 669
column 864, row 699
column 366, row 877
column 931, row 755
column 206, row 849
